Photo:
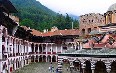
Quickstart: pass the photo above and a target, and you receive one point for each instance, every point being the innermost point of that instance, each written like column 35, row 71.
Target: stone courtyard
column 41, row 68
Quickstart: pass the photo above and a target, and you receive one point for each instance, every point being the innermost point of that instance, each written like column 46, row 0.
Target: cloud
column 78, row 7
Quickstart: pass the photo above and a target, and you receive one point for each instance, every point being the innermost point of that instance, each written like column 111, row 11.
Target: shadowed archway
column 100, row 67
column 113, row 67
column 88, row 67
column 54, row 59
column 49, row 58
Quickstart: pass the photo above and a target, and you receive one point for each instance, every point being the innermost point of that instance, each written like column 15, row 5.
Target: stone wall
column 90, row 21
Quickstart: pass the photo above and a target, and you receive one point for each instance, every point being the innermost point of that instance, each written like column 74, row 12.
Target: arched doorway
column 100, row 67
column 83, row 31
column 77, row 65
column 32, row 58
column 14, row 64
column 44, row 58
column 36, row 58
column 49, row 58
column 36, row 48
column 26, row 60
column 32, row 47
column 40, row 48
column 88, row 67
column 113, row 67
column 89, row 30
column 40, row 58
column 54, row 58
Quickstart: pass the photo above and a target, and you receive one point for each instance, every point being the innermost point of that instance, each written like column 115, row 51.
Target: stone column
column 38, row 58
column 108, row 66
column 56, row 49
column 51, row 58
column 38, row 48
column 15, row 65
column 61, row 48
column 15, row 47
column 60, row 64
column 24, row 48
column 51, row 48
column 20, row 48
column 46, row 59
column 6, row 38
column 81, row 46
column 27, row 48
column 56, row 59
column 34, row 48
column 46, row 51
column 42, row 49
column 75, row 46
column 83, row 67
column 92, row 66
column 72, row 46
column 1, row 66
column 46, row 48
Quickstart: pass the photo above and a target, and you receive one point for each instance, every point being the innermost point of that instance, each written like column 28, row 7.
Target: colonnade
column 16, row 52
column 89, row 65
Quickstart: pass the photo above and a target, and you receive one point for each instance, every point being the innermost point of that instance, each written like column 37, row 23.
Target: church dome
column 112, row 7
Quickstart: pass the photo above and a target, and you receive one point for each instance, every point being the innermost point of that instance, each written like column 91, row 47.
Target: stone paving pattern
column 40, row 68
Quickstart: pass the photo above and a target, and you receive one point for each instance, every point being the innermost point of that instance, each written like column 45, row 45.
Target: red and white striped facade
column 16, row 53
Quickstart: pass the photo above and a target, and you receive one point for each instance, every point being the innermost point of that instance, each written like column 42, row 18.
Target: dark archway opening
column 83, row 31
column 32, row 58
column 49, row 58
column 54, row 59
column 32, row 46
column 88, row 67
column 113, row 67
column 40, row 58
column 36, row 58
column 40, row 48
column 100, row 67
column 44, row 58
column 36, row 48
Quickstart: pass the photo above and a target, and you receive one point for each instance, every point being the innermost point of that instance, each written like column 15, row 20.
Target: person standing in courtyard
column 49, row 68
column 56, row 70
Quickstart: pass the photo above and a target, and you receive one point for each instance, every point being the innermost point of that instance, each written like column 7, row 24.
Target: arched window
column 83, row 31
column 89, row 30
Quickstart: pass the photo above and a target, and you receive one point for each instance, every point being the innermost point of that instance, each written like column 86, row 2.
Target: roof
column 32, row 31
column 9, row 6
column 112, row 7
column 36, row 33
column 95, row 32
column 104, row 52
column 55, row 33
column 62, row 32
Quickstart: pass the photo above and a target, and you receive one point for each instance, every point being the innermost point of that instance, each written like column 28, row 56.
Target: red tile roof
column 62, row 32
column 55, row 33
column 36, row 33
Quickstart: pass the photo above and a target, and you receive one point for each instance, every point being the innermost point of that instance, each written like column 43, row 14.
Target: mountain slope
column 33, row 14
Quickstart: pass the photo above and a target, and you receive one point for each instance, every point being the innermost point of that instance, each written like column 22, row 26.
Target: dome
column 112, row 7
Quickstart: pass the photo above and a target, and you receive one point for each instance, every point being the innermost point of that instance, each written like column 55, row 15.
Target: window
column 83, row 31
column 89, row 30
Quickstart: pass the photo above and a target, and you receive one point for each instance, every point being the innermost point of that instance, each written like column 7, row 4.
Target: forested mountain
column 33, row 14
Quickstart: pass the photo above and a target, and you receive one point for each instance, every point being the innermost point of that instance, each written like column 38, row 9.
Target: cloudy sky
column 78, row 7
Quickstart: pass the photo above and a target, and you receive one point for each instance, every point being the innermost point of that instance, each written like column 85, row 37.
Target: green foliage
column 33, row 14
